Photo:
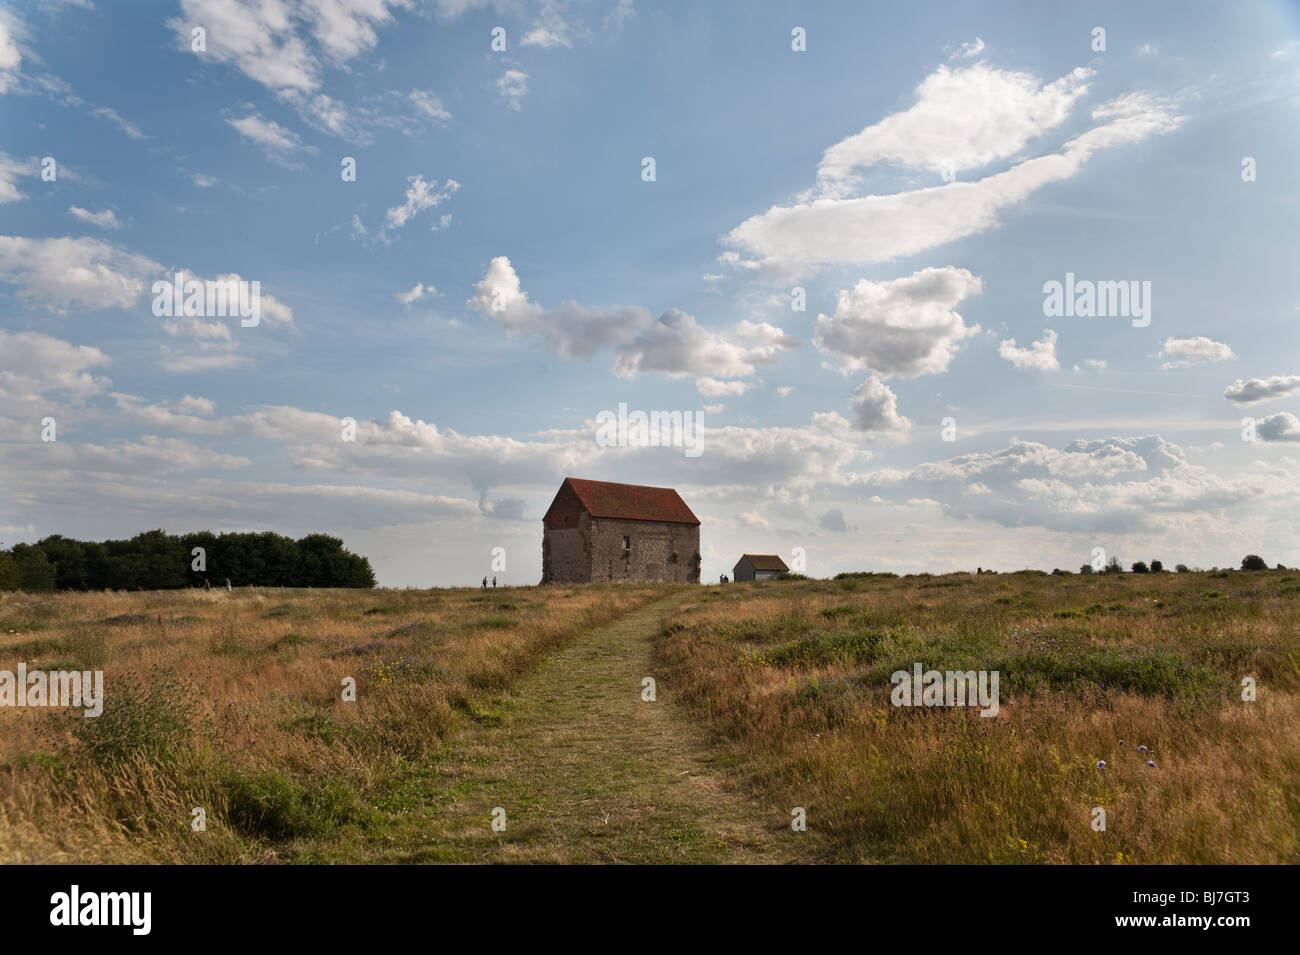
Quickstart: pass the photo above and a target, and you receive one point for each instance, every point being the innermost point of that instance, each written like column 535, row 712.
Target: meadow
column 1118, row 691
column 232, row 703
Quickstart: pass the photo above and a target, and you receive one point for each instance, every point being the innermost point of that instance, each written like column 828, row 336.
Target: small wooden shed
column 759, row 567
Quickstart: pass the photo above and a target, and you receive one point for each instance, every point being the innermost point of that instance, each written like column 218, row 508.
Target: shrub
column 1085, row 568
column 1157, row 567
column 1140, row 567
column 1183, row 569
column 1253, row 562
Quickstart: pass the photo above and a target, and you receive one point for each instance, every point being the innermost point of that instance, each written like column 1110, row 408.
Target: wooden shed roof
column 764, row 561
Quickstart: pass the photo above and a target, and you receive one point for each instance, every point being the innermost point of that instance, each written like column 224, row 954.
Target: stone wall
column 566, row 553
column 660, row 551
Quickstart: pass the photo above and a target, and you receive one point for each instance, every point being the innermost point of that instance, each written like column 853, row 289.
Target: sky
column 824, row 234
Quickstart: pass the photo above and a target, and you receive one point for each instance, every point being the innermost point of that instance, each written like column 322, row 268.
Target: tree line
column 156, row 560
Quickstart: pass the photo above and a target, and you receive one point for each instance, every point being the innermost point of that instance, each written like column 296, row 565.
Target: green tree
column 35, row 572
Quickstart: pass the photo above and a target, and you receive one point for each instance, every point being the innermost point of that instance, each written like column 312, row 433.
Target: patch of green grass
column 271, row 806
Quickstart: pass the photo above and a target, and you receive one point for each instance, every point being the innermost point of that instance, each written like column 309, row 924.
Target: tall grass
column 794, row 676
column 232, row 704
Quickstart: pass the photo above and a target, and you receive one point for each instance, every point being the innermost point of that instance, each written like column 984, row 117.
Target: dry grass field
column 771, row 696
column 794, row 676
column 232, row 703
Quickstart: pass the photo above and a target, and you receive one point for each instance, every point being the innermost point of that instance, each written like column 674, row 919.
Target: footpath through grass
column 586, row 772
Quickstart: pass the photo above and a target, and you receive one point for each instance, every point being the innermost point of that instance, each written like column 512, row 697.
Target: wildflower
column 1101, row 764
column 1142, row 749
column 1151, row 763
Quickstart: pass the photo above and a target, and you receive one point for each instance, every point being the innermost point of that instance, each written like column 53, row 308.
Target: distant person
column 228, row 587
column 207, row 585
column 494, row 581
column 485, row 583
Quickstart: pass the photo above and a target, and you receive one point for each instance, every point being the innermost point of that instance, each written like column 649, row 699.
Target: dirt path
column 586, row 772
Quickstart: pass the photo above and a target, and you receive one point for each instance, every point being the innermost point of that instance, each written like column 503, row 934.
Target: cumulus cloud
column 67, row 273
column 833, row 521
column 418, row 291
column 33, row 365
column 899, row 328
column 1186, row 352
column 1282, row 426
column 1040, row 355
column 1254, row 390
column 570, row 330
column 284, row 45
column 676, row 345
column 875, row 410
column 1108, row 485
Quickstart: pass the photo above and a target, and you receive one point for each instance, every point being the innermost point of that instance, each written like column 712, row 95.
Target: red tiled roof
column 631, row 502
column 765, row 561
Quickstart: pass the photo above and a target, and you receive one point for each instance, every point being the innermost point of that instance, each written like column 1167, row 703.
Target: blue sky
column 920, row 173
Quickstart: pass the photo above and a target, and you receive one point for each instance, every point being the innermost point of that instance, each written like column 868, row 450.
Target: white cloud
column 10, row 170
column 271, row 41
column 1104, row 486
column 104, row 220
column 1282, row 426
column 277, row 141
column 429, row 105
column 570, row 330
column 74, row 272
column 1255, row 390
column 875, row 410
column 900, row 328
column 11, row 58
column 418, row 291
column 969, row 117
column 548, row 28
column 205, row 182
column 420, row 195
column 110, row 114
column 713, row 388
column 33, row 365
column 1186, row 352
column 676, row 345
column 1040, row 355
column 789, row 240
column 512, row 86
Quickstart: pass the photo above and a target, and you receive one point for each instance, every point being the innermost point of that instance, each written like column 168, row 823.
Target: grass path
column 586, row 772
